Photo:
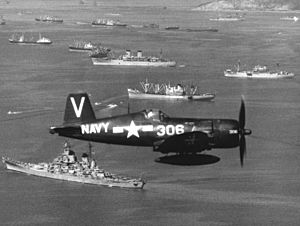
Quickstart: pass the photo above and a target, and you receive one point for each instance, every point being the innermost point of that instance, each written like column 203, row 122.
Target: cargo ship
column 138, row 60
column 229, row 18
column 66, row 167
column 291, row 18
column 166, row 91
column 257, row 72
column 82, row 46
column 20, row 39
column 50, row 19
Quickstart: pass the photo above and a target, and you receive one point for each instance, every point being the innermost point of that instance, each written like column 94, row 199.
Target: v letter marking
column 77, row 110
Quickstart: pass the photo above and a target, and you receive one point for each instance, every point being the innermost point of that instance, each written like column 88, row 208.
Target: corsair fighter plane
column 153, row 128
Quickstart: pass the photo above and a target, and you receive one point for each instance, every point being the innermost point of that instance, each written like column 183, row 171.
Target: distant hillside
column 276, row 5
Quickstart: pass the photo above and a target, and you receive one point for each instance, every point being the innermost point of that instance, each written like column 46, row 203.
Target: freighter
column 257, row 72
column 166, row 91
column 82, row 46
column 66, row 167
column 292, row 18
column 29, row 41
column 138, row 60
column 229, row 18
column 108, row 22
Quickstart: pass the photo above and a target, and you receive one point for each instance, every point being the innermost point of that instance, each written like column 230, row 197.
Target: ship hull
column 97, row 61
column 135, row 94
column 29, row 43
column 245, row 74
column 75, row 49
column 30, row 169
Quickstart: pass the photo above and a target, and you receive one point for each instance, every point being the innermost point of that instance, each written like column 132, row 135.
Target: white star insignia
column 133, row 130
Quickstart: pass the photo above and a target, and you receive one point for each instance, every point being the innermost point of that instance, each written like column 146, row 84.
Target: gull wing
column 183, row 143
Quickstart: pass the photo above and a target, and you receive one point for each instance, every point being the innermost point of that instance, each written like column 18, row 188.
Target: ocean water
column 35, row 81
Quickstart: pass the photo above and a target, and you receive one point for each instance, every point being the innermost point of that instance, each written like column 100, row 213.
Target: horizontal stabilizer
column 192, row 142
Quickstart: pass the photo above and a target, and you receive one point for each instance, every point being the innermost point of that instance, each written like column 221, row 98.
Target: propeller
column 242, row 131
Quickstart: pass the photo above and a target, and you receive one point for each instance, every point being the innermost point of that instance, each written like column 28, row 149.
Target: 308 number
column 169, row 130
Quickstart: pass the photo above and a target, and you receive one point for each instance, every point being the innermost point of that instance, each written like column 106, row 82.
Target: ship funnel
column 128, row 53
column 139, row 54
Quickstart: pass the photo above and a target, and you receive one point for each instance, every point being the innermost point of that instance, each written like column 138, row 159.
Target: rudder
column 78, row 109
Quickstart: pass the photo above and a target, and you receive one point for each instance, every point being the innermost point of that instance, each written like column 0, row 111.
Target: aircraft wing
column 183, row 143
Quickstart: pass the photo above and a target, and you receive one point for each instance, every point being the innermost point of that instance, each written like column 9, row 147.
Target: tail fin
column 78, row 109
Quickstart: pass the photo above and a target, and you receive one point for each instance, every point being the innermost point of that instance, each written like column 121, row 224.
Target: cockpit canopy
column 155, row 115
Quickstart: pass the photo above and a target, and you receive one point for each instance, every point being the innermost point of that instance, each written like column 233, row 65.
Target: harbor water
column 214, row 190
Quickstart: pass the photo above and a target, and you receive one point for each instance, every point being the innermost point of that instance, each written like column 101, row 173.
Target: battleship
column 257, row 72
column 20, row 39
column 130, row 60
column 66, row 167
column 50, row 19
column 168, row 92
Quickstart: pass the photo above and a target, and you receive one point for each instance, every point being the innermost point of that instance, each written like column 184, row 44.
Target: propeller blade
column 242, row 149
column 242, row 114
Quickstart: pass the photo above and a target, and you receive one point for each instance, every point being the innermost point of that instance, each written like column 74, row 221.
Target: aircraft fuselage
column 139, row 129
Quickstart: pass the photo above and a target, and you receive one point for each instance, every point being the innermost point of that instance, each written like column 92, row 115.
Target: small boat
column 292, row 18
column 99, row 52
column 257, row 72
column 164, row 91
column 66, row 167
column 130, row 60
column 50, row 19
column 172, row 28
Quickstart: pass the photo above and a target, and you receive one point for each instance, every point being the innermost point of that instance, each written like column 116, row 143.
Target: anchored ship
column 82, row 46
column 66, row 167
column 257, row 72
column 20, row 39
column 228, row 18
column 166, row 91
column 108, row 22
column 138, row 60
column 292, row 18
column 51, row 19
